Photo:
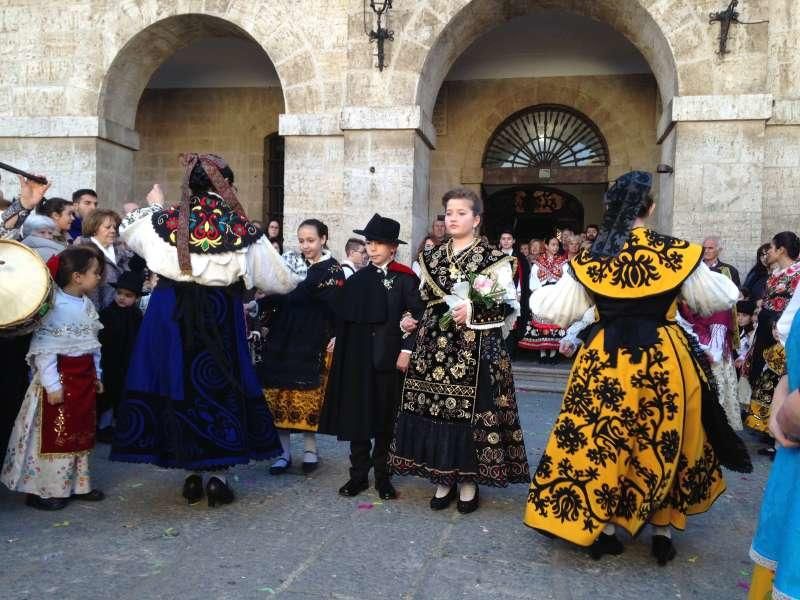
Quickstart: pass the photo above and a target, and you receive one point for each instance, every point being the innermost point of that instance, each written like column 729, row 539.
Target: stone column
column 386, row 169
column 718, row 180
column 312, row 176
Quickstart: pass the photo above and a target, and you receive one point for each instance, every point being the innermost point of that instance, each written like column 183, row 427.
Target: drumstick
column 29, row 176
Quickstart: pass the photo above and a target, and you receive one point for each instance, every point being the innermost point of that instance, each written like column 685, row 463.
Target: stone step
column 534, row 377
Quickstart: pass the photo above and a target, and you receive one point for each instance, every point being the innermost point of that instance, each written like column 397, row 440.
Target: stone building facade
column 76, row 103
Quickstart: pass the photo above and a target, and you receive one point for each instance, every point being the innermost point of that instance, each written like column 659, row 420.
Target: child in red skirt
column 48, row 452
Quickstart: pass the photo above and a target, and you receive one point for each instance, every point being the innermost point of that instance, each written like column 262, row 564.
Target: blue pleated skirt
column 192, row 398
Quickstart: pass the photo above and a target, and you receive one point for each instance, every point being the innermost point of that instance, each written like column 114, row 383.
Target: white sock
column 610, row 529
column 442, row 491
column 285, row 437
column 310, row 447
column 663, row 531
column 466, row 491
column 542, row 353
column 552, row 353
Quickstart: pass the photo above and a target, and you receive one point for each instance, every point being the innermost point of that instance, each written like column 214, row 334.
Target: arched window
column 544, row 136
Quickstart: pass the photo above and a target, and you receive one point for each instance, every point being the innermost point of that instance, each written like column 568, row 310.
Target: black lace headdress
column 623, row 200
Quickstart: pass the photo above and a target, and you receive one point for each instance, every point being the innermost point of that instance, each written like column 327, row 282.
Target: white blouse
column 705, row 291
column 259, row 265
column 787, row 317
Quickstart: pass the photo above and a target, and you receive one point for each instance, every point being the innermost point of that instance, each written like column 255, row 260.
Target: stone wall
column 72, row 79
column 230, row 122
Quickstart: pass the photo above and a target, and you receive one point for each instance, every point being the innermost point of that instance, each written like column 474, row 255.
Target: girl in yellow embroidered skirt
column 297, row 348
column 640, row 435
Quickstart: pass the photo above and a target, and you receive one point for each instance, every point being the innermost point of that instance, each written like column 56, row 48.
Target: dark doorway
column 274, row 147
column 530, row 211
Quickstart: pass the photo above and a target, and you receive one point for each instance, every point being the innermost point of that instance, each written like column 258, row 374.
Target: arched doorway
column 189, row 83
column 531, row 211
column 532, row 162
column 495, row 58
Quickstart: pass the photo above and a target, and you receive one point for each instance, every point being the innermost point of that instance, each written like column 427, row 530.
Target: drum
column 26, row 289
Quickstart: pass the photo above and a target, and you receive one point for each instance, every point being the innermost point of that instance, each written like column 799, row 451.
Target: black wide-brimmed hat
column 129, row 281
column 381, row 229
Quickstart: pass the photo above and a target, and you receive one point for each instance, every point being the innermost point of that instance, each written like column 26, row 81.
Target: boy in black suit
column 361, row 403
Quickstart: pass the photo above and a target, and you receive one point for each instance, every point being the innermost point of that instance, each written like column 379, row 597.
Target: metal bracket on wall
column 381, row 34
column 725, row 18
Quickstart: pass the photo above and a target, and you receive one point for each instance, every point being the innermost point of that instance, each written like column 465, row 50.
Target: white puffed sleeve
column 47, row 366
column 707, row 292
column 266, row 270
column 534, row 282
column 574, row 330
column 787, row 318
column 562, row 303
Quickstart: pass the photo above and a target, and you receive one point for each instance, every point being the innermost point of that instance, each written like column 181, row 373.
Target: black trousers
column 364, row 455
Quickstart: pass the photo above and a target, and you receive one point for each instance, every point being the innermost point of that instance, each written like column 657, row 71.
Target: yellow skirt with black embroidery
column 628, row 446
column 299, row 410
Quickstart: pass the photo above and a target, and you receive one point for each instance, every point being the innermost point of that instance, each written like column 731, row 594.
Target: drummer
column 12, row 218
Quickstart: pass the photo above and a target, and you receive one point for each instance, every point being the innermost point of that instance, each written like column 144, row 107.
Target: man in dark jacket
column 522, row 277
column 362, row 400
column 712, row 248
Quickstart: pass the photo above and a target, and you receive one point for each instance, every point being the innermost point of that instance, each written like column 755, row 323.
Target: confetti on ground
column 61, row 524
column 365, row 505
column 743, row 584
column 171, row 532
column 377, row 503
column 484, row 530
column 12, row 540
column 136, row 485
column 269, row 590
column 744, row 573
column 692, row 559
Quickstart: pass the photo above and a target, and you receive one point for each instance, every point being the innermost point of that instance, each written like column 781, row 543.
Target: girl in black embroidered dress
column 458, row 420
column 298, row 345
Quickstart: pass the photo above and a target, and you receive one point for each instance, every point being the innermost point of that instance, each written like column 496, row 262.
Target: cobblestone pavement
column 294, row 537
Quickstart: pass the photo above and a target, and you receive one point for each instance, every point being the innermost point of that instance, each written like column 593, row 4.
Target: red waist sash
column 69, row 427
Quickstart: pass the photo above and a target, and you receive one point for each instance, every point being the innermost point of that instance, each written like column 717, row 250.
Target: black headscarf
column 624, row 200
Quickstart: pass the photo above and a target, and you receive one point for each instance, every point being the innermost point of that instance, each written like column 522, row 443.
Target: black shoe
column 40, row 503
column 468, row 506
column 663, row 549
column 310, row 467
column 768, row 452
column 353, row 487
column 606, row 544
column 93, row 496
column 218, row 492
column 280, row 466
column 385, row 489
column 444, row 501
column 193, row 489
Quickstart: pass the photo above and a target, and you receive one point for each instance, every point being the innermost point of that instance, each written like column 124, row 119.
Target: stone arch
column 629, row 17
column 144, row 43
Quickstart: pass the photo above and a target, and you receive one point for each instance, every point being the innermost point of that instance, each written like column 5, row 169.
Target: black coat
column 522, row 277
column 117, row 339
column 364, row 384
column 300, row 326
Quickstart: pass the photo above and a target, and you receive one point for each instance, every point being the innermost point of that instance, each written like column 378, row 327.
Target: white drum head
column 24, row 282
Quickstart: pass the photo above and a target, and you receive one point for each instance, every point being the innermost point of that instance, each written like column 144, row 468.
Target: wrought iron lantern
column 381, row 33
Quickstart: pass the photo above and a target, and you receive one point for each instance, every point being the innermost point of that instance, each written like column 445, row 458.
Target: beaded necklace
column 456, row 274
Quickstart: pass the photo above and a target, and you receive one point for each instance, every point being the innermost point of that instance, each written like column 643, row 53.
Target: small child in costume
column 121, row 321
column 48, row 452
